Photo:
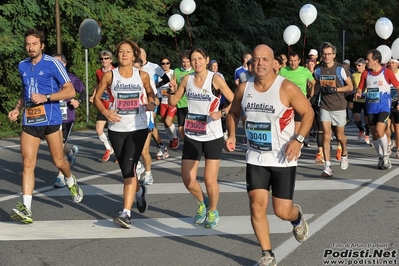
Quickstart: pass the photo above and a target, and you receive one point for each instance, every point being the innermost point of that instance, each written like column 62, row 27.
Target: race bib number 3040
column 128, row 103
column 259, row 135
column 195, row 124
column 35, row 113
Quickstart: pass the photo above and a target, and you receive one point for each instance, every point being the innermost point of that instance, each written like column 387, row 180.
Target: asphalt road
column 353, row 217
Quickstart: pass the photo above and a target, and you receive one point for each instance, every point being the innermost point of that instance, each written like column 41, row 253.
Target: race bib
column 195, row 124
column 35, row 113
column 64, row 110
column 128, row 103
column 373, row 95
column 328, row 80
column 259, row 135
column 164, row 91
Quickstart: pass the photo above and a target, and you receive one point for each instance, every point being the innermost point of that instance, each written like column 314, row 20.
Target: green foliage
column 225, row 28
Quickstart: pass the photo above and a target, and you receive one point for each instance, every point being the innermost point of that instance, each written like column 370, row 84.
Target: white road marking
column 157, row 227
column 225, row 187
column 291, row 244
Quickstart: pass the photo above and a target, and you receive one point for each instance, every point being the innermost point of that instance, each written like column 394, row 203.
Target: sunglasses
column 359, row 65
column 104, row 58
column 165, row 63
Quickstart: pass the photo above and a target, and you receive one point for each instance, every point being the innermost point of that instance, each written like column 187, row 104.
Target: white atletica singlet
column 199, row 125
column 269, row 125
column 127, row 96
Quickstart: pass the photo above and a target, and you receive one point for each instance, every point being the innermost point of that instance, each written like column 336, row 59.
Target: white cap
column 346, row 61
column 394, row 60
column 313, row 52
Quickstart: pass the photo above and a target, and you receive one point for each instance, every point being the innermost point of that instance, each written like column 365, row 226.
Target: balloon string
column 304, row 45
column 289, row 50
column 177, row 47
column 189, row 31
column 387, row 42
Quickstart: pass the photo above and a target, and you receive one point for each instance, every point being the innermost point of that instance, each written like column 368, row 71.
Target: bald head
column 263, row 49
column 263, row 60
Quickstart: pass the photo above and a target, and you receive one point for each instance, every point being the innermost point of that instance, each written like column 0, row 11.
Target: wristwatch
column 224, row 114
column 48, row 96
column 300, row 138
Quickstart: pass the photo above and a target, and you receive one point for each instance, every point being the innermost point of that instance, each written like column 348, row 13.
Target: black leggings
column 128, row 147
column 319, row 125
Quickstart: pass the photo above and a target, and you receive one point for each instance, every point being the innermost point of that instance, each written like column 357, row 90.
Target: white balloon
column 384, row 28
column 386, row 53
column 187, row 6
column 395, row 49
column 291, row 35
column 308, row 14
column 176, row 22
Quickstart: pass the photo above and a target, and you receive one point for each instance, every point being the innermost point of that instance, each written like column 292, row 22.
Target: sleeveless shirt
column 127, row 95
column 199, row 125
column 269, row 125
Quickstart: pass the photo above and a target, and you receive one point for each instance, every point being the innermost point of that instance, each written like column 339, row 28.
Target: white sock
column 126, row 211
column 69, row 181
column 173, row 130
column 384, row 145
column 138, row 193
column 27, row 201
column 169, row 132
column 147, row 173
column 377, row 147
column 104, row 140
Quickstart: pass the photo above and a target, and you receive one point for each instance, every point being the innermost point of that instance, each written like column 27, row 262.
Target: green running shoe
column 22, row 214
column 213, row 219
column 76, row 191
column 200, row 216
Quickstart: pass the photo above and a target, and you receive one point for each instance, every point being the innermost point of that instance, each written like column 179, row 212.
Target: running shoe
column 360, row 137
column 123, row 220
column 174, row 144
column 389, row 148
column 107, row 154
column 212, row 219
column 344, row 162
column 301, row 230
column 225, row 136
column 267, row 260
column 76, row 191
column 327, row 172
column 72, row 158
column 60, row 182
column 380, row 164
column 148, row 180
column 139, row 169
column 397, row 155
column 387, row 163
column 306, row 143
column 22, row 214
column 367, row 139
column 200, row 216
column 162, row 152
column 338, row 153
column 319, row 158
column 141, row 200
